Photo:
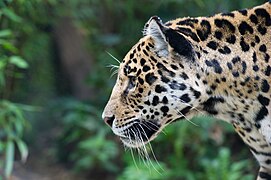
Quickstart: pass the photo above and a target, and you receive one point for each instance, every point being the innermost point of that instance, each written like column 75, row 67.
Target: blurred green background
column 55, row 80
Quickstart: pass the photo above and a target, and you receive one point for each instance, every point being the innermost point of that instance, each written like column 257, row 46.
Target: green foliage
column 222, row 168
column 12, row 120
column 12, row 125
column 84, row 130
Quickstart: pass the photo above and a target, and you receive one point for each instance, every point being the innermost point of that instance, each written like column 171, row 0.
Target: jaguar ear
column 156, row 30
column 165, row 37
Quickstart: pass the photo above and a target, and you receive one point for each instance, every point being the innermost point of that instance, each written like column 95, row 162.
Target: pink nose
column 109, row 120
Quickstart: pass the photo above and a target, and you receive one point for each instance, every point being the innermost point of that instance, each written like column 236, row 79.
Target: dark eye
column 131, row 83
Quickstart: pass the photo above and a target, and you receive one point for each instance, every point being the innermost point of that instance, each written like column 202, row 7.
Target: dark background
column 55, row 79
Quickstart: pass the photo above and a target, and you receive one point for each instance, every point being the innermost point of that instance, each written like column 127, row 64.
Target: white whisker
column 113, row 57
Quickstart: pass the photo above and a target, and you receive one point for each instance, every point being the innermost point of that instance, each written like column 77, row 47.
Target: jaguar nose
column 109, row 120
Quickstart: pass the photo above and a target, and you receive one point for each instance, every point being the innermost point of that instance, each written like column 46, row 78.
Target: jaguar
column 218, row 65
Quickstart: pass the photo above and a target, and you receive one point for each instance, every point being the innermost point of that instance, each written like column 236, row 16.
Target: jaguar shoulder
column 218, row 65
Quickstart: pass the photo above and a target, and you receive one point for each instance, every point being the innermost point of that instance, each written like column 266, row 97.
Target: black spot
column 229, row 65
column 205, row 30
column 165, row 100
column 177, row 86
column 243, row 27
column 255, row 68
column 188, row 22
column 140, row 90
column 265, row 86
column 141, row 81
column 262, row 48
column 212, row 44
column 223, row 23
column 164, row 109
column 228, row 14
column 244, row 66
column 174, row 67
column 146, row 68
column 195, row 92
column 155, row 100
column 218, row 35
column 262, row 113
column 253, row 19
column 215, row 64
column 261, row 29
column 244, row 45
column 185, row 110
column 184, row 76
column 185, row 98
column 223, row 79
column 243, row 12
column 160, row 89
column 267, row 71
column 235, row 74
column 179, row 44
column 231, row 39
column 263, row 100
column 150, row 78
column 265, row 15
column 225, row 50
column 266, row 58
column 165, row 79
column 254, row 56
column 142, row 61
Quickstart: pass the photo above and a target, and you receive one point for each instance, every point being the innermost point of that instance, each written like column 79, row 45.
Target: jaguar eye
column 131, row 84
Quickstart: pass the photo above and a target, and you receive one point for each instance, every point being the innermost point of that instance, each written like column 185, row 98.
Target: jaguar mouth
column 140, row 133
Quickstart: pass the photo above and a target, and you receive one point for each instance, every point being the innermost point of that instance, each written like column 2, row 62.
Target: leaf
column 23, row 149
column 11, row 15
column 18, row 61
column 5, row 33
column 9, row 158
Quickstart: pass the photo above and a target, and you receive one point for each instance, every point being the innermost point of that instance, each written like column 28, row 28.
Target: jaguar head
column 153, row 87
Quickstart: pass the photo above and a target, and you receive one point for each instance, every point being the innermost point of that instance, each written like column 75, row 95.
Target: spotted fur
column 218, row 65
